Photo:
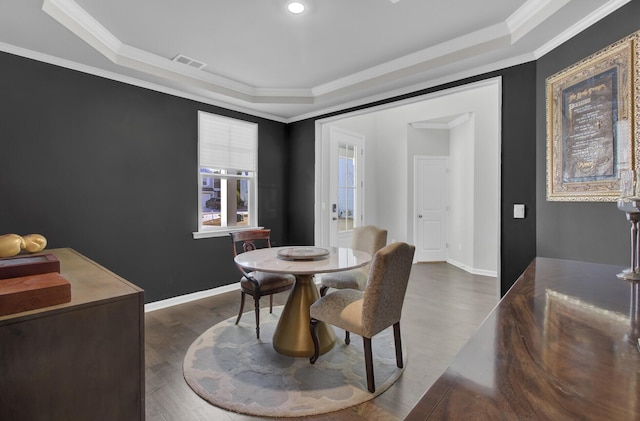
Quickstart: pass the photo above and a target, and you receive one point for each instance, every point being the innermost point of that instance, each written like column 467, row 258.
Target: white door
column 430, row 201
column 346, row 153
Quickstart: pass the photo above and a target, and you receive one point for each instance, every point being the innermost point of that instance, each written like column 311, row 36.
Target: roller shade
column 227, row 143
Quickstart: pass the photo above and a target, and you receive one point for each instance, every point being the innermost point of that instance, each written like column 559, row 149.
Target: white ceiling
column 261, row 59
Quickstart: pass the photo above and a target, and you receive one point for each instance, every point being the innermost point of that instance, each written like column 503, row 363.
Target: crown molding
column 71, row 65
column 452, row 77
column 448, row 125
column 429, row 58
column 583, row 24
column 72, row 16
column 126, row 55
column 530, row 15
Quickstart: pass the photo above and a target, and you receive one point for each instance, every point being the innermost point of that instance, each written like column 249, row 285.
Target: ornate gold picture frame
column 592, row 124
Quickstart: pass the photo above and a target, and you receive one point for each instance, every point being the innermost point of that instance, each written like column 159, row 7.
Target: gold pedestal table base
column 292, row 336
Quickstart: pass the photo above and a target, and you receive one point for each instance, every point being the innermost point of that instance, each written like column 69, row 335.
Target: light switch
column 518, row 211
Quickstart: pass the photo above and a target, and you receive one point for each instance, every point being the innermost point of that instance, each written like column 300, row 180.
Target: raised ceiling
column 261, row 59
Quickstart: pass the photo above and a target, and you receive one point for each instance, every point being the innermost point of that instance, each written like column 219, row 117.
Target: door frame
column 321, row 156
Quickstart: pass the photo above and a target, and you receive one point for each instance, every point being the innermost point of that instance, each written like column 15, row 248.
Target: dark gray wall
column 595, row 232
column 301, row 222
column 109, row 169
column 517, row 173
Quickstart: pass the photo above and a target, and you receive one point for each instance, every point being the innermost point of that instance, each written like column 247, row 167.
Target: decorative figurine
column 13, row 244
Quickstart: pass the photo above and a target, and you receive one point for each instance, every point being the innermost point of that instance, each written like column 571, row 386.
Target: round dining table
column 292, row 336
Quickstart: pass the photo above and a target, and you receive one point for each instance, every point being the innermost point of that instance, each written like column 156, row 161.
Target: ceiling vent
column 189, row 61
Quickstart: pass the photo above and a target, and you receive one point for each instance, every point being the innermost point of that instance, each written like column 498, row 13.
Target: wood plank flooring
column 443, row 307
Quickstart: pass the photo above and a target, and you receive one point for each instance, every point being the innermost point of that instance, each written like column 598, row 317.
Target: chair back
column 250, row 240
column 386, row 287
column 368, row 238
column 243, row 241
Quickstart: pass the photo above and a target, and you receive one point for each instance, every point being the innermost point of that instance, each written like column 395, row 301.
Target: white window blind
column 227, row 143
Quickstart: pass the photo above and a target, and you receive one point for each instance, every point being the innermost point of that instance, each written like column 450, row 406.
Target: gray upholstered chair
column 367, row 238
column 369, row 312
column 257, row 284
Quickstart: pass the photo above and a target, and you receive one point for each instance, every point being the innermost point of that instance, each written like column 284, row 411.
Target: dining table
column 292, row 336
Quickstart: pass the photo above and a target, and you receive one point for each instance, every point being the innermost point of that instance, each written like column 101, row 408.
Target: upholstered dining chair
column 257, row 284
column 369, row 312
column 368, row 238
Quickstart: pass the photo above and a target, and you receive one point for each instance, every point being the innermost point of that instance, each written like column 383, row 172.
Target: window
column 347, row 187
column 227, row 175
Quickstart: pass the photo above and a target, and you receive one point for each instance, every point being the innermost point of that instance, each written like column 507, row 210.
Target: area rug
column 230, row 368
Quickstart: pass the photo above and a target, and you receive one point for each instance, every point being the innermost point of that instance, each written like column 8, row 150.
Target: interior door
column 431, row 208
column 346, row 184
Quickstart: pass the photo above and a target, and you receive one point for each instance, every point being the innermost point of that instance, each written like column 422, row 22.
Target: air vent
column 189, row 61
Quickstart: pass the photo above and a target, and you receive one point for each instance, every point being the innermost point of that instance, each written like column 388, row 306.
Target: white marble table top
column 267, row 260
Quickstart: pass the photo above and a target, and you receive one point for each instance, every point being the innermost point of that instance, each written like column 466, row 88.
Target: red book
column 34, row 291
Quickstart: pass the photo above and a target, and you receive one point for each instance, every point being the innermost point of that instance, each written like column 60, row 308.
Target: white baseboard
column 474, row 271
column 181, row 299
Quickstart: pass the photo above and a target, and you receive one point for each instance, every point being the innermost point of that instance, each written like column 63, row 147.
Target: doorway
column 389, row 179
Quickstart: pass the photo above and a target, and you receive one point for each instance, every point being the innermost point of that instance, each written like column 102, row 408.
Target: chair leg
column 313, row 328
column 270, row 303
column 241, row 307
column 368, row 362
column 323, row 290
column 257, row 309
column 347, row 338
column 396, row 337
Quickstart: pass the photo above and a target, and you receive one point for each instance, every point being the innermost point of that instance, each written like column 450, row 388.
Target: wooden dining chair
column 369, row 312
column 368, row 238
column 257, row 284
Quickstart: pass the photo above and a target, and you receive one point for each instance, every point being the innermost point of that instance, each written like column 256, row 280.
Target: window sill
column 220, row 232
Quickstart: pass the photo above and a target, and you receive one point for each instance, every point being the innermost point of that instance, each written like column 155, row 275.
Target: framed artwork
column 592, row 124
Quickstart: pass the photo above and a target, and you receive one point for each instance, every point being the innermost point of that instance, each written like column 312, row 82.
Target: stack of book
column 29, row 282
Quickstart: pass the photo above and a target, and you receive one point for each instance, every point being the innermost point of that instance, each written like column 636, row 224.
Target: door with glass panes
column 346, row 185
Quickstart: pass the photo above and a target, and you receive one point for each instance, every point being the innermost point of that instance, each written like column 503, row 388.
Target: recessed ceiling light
column 296, row 7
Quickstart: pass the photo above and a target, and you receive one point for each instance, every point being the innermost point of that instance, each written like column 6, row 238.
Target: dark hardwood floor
column 443, row 307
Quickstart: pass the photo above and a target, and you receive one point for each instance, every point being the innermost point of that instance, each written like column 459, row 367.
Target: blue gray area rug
column 230, row 368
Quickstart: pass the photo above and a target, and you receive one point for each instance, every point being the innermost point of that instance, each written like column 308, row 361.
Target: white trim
column 530, row 15
column 572, row 31
column 474, row 271
column 516, row 22
column 484, row 39
column 496, row 80
column 504, row 64
column 462, row 118
column 68, row 64
column 194, row 296
column 220, row 232
column 182, row 299
column 533, row 13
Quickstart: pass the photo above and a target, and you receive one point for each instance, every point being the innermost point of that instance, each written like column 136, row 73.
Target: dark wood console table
column 82, row 360
column 560, row 345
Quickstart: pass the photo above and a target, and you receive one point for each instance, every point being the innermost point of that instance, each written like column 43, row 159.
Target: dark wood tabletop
column 562, row 344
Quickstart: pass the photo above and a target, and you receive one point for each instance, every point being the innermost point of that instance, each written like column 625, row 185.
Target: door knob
column 419, row 215
column 334, row 218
